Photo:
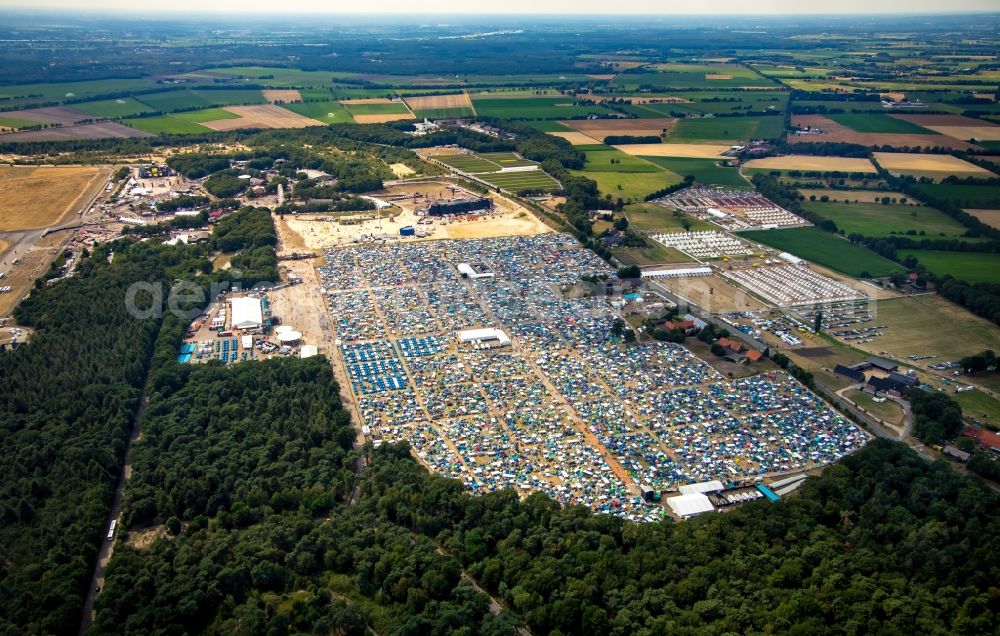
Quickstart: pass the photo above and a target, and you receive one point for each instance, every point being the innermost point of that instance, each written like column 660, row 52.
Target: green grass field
column 721, row 129
column 650, row 217
column 907, row 319
column 206, row 114
column 985, row 197
column 473, row 164
column 517, row 181
column 879, row 124
column 630, row 185
column 183, row 99
column 704, row 171
column 26, row 94
column 533, row 107
column 113, row 108
column 328, row 112
column 391, row 108
column 167, row 125
column 970, row 266
column 655, row 254
column 507, row 159
column 547, row 125
column 821, row 247
column 10, row 122
column 979, row 406
column 875, row 219
column 608, row 159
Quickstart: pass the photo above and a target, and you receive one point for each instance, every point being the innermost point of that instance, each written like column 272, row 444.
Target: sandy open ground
column 601, row 128
column 809, row 162
column 692, row 151
column 285, row 95
column 434, row 102
column 915, row 163
column 381, row 119
column 576, row 138
column 989, row 217
column 262, row 116
column 317, row 231
column 713, row 293
column 39, row 197
column 402, row 170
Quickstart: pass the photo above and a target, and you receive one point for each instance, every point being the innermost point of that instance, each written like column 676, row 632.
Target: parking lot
column 566, row 408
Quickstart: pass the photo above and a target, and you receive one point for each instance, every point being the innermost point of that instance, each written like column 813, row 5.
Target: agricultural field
column 260, row 116
column 103, row 130
column 473, row 164
column 328, row 112
column 441, row 106
column 692, row 151
column 11, row 122
column 694, row 76
column 956, row 126
column 376, row 111
column 834, row 131
column 974, row 267
column 879, row 124
column 28, row 94
column 653, row 218
column 167, row 125
column 599, row 129
column 989, row 217
column 113, row 108
column 534, row 180
column 729, row 130
column 630, row 185
column 281, row 95
column 172, row 101
column 934, row 166
column 655, row 254
column 704, row 171
column 809, row 163
column 876, row 219
column 854, row 196
column 908, row 317
column 824, row 248
column 602, row 158
column 966, row 196
column 40, row 197
column 533, row 107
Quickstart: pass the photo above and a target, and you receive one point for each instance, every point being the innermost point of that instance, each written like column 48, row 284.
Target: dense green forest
column 66, row 408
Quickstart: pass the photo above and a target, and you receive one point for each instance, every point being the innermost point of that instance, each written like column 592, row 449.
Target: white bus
column 111, row 530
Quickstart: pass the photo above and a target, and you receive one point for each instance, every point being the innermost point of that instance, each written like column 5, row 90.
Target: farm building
column 459, row 206
column 882, row 365
column 849, row 372
column 247, row 313
column 687, row 506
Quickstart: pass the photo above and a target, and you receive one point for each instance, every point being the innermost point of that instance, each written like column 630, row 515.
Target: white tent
column 687, row 506
column 702, row 487
column 247, row 313
column 308, row 351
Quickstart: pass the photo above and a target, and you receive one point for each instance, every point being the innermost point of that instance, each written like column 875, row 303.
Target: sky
column 573, row 7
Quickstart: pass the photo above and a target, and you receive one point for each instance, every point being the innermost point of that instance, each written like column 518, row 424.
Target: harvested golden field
column 917, row 164
column 576, row 138
column 989, row 217
column 809, row 162
column 979, row 133
column 438, row 102
column 605, row 78
column 381, row 119
column 402, row 170
column 940, row 120
column 284, row 96
column 718, row 76
column 600, row 128
column 39, row 197
column 866, row 196
column 261, row 116
column 691, row 151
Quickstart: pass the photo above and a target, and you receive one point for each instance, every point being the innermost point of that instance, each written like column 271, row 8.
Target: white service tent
column 687, row 506
column 247, row 313
column 705, row 486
